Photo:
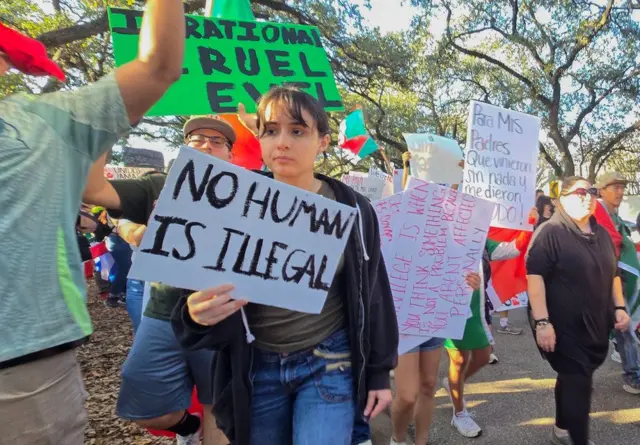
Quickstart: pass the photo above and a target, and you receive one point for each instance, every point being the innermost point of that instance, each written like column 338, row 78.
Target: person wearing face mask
column 305, row 375
column 159, row 375
column 575, row 299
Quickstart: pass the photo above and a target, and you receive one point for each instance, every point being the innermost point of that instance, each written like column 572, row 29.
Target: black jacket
column 370, row 316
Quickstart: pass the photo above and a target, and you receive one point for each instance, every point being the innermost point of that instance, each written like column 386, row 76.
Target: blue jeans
column 304, row 397
column 361, row 430
column 135, row 292
column 629, row 354
column 121, row 253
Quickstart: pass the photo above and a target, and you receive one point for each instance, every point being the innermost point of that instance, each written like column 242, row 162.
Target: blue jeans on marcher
column 361, row 430
column 121, row 253
column 304, row 397
column 629, row 354
column 135, row 292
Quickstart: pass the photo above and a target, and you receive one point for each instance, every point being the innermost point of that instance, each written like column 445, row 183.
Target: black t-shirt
column 578, row 271
column 137, row 198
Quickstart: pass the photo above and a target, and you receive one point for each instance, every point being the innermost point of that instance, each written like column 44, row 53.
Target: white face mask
column 577, row 207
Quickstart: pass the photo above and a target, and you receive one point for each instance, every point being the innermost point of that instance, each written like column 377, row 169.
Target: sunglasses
column 582, row 192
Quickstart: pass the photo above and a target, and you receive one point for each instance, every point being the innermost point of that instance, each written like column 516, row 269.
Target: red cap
column 27, row 54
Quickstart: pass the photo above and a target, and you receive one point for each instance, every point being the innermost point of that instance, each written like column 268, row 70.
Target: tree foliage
column 571, row 62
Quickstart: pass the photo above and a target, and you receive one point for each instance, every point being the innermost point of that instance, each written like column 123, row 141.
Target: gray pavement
column 513, row 400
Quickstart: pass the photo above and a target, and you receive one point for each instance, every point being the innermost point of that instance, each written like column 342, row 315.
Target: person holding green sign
column 305, row 376
column 47, row 145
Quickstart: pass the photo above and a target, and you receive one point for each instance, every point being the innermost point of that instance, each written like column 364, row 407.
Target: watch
column 620, row 308
column 542, row 322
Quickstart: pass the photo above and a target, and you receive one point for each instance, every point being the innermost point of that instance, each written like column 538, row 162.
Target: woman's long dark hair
column 540, row 205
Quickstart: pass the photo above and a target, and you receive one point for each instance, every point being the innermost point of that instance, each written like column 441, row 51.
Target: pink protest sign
column 438, row 237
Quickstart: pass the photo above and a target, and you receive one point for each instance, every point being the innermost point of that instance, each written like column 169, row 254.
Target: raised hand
column 250, row 121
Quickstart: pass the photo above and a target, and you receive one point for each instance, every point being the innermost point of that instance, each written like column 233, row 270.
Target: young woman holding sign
column 416, row 381
column 469, row 355
column 301, row 379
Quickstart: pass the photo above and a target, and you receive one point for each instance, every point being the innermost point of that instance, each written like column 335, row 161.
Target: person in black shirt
column 575, row 299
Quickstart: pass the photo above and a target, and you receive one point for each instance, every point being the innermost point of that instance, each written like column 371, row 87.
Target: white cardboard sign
column 434, row 158
column 438, row 238
column 387, row 210
column 368, row 186
column 500, row 162
column 216, row 223
column 388, row 178
column 116, row 172
column 516, row 302
column 397, row 180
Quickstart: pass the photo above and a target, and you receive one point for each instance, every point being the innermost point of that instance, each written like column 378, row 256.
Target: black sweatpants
column 573, row 396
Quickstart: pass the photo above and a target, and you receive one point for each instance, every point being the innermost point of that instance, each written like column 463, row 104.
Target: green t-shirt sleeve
column 90, row 119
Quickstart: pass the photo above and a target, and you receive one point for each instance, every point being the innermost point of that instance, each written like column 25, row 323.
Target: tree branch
column 616, row 139
column 140, row 132
column 98, row 25
column 582, row 42
column 470, row 52
column 596, row 100
column 552, row 162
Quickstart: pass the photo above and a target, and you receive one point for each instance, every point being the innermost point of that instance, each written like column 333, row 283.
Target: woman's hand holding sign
column 210, row 306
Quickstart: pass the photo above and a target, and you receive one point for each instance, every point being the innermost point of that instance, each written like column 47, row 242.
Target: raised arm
column 621, row 317
column 98, row 190
column 541, row 262
column 144, row 81
column 406, row 165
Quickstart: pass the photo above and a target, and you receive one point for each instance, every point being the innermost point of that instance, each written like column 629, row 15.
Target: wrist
column 621, row 308
column 542, row 323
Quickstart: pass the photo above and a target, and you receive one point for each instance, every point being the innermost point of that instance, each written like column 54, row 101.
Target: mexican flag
column 354, row 136
column 508, row 277
column 628, row 260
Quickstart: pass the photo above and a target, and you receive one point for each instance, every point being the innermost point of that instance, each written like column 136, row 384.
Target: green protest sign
column 233, row 61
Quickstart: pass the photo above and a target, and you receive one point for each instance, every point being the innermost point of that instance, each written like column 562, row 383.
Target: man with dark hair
column 47, row 145
column 158, row 376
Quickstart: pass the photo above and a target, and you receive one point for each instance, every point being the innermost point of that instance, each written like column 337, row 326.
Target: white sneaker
column 493, row 359
column 393, row 442
column 445, row 384
column 465, row 424
column 615, row 356
column 561, row 437
column 191, row 439
column 509, row 330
